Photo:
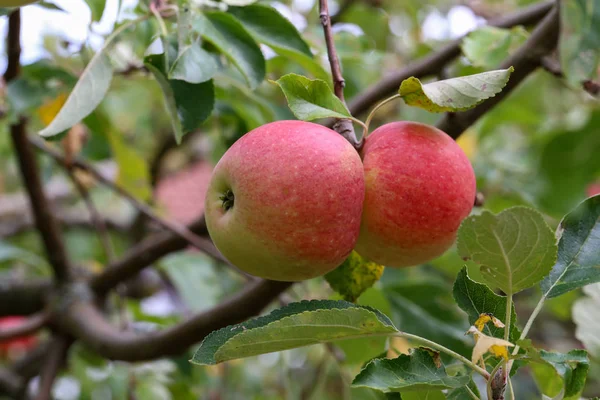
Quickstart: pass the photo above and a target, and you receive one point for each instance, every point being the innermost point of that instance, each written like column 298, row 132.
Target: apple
column 419, row 185
column 16, row 3
column 285, row 201
column 592, row 189
column 12, row 348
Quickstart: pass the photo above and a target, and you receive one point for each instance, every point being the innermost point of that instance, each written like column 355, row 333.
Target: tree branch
column 203, row 244
column 86, row 323
column 142, row 255
column 23, row 298
column 552, row 65
column 433, row 63
column 44, row 218
column 54, row 362
column 343, row 126
column 525, row 60
column 28, row 327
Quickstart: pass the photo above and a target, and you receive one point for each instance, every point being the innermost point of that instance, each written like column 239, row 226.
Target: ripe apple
column 419, row 185
column 285, row 201
column 17, row 345
column 16, row 3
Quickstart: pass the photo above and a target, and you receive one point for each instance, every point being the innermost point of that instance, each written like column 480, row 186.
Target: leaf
column 484, row 344
column 476, row 299
column 462, row 393
column 188, row 104
column 579, row 41
column 311, row 99
column 97, row 9
column 424, row 395
column 9, row 252
column 515, row 248
column 456, row 94
column 239, row 2
column 228, row 35
column 354, row 276
column 488, row 46
column 578, row 261
column 426, row 308
column 279, row 33
column 413, row 372
column 295, row 325
column 134, row 174
column 586, row 315
column 571, row 369
column 193, row 65
column 87, row 94
column 7, row 10
column 48, row 111
column 50, row 6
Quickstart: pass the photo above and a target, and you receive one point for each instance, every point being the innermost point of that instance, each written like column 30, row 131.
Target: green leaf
column 50, row 6
column 414, row 372
column 488, row 46
column 462, row 393
column 354, row 276
column 228, row 35
column 7, row 10
column 311, row 99
column 97, row 9
column 456, row 94
column 578, row 261
column 295, row 325
column 579, row 42
column 188, row 104
column 134, row 174
column 515, row 248
column 279, row 33
column 586, row 315
column 476, row 298
column 87, row 94
column 358, row 351
column 193, row 65
column 571, row 369
column 425, row 307
column 239, row 2
column 424, row 395
column 9, row 252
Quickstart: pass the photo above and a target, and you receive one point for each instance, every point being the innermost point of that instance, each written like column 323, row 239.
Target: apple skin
column 420, row 185
column 16, row 3
column 298, row 191
column 20, row 344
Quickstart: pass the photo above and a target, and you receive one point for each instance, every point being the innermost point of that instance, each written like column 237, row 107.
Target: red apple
column 420, row 185
column 285, row 201
column 16, row 345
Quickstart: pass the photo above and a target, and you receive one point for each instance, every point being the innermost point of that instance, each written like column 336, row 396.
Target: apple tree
column 354, row 199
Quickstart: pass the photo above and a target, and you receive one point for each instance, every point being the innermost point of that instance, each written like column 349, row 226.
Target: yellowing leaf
column 488, row 344
column 468, row 143
column 50, row 108
column 354, row 276
column 484, row 319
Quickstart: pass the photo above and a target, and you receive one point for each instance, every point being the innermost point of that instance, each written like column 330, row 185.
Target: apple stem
column 372, row 114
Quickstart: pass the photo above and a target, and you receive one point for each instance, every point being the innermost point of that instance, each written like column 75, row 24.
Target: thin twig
column 552, row 65
column 28, row 327
column 204, row 245
column 54, row 362
column 343, row 126
column 97, row 219
column 44, row 217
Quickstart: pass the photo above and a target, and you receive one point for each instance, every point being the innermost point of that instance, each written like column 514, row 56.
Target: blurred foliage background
column 539, row 147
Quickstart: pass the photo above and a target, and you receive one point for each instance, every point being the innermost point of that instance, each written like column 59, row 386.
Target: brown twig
column 44, row 218
column 343, row 126
column 85, row 322
column 203, row 244
column 525, row 60
column 95, row 216
column 552, row 65
column 28, row 327
column 54, row 362
column 23, row 298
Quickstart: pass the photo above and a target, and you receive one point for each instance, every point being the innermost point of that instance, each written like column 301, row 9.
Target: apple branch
column 437, row 61
column 23, row 298
column 53, row 363
column 343, row 126
column 43, row 215
column 525, row 60
column 552, row 65
column 28, row 327
column 203, row 244
column 86, row 323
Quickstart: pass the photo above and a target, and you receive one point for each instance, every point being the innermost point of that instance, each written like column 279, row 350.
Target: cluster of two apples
column 290, row 200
